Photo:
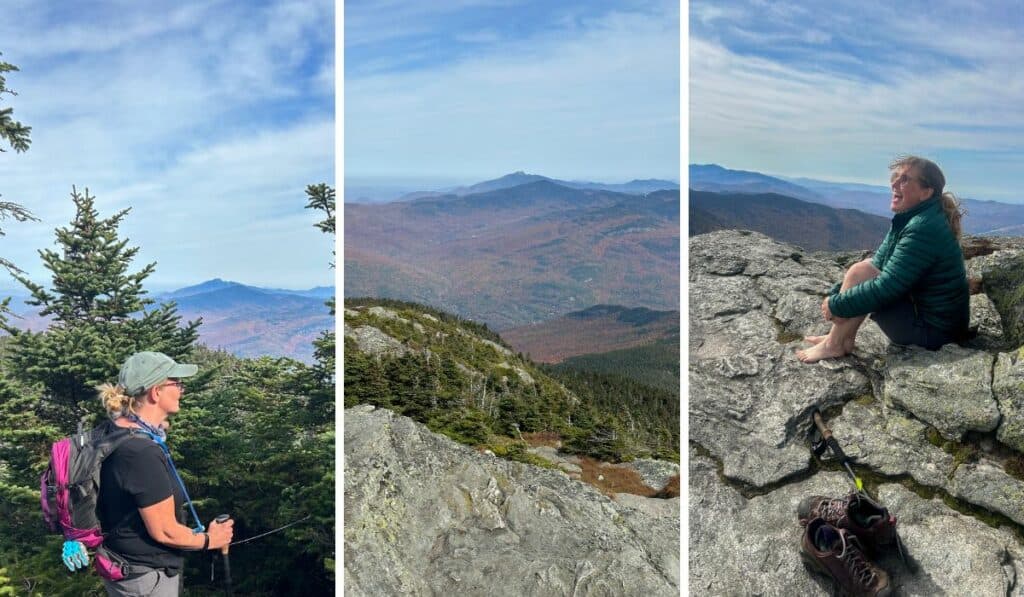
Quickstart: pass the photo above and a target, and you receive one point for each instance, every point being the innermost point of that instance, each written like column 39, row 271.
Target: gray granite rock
column 655, row 507
column 751, row 301
column 985, row 319
column 564, row 462
column 988, row 486
column 733, row 252
column 385, row 313
column 654, row 473
column 1002, row 275
column 749, row 395
column 891, row 444
column 951, row 388
column 1008, row 389
column 955, row 554
column 375, row 342
column 742, row 546
column 427, row 516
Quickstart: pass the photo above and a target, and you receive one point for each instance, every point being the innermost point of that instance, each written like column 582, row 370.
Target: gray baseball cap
column 144, row 370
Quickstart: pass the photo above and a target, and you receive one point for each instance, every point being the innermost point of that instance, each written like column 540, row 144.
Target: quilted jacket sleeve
column 909, row 262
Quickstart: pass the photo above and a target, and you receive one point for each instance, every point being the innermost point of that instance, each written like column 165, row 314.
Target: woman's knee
column 860, row 271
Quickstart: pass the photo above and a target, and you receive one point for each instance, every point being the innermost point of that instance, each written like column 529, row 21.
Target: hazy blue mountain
column 648, row 185
column 715, row 178
column 505, row 182
column 519, row 178
column 872, row 199
column 201, row 288
column 216, row 284
column 982, row 217
column 321, row 292
column 810, row 225
column 247, row 321
column 825, row 185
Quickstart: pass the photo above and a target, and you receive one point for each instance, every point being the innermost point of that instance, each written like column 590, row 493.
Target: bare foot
column 815, row 339
column 822, row 350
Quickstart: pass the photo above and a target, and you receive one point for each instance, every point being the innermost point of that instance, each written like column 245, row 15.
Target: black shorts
column 902, row 324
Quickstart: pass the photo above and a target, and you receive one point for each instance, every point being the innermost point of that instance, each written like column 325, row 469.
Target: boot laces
column 832, row 510
column 854, row 561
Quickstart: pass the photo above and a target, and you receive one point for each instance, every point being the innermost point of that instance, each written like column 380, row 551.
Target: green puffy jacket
column 921, row 258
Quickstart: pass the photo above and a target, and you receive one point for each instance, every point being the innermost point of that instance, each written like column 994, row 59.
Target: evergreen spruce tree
column 321, row 197
column 99, row 312
column 17, row 136
column 15, row 133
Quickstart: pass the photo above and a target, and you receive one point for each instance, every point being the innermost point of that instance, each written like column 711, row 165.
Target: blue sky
column 474, row 89
column 786, row 88
column 207, row 118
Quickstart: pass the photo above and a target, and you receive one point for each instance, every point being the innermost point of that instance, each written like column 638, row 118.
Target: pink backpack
column 70, row 486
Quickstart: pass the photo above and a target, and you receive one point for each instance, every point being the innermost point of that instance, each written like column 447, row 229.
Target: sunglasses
column 904, row 179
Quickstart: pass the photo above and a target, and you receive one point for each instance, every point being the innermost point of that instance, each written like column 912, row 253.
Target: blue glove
column 74, row 555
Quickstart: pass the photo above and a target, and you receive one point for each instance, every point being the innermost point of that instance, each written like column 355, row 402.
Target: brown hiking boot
column 836, row 553
column 871, row 522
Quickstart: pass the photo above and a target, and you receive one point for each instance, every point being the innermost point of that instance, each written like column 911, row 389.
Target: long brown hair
column 932, row 178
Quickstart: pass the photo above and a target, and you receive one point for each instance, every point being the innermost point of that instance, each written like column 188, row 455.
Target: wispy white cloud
column 599, row 100
column 841, row 111
column 207, row 118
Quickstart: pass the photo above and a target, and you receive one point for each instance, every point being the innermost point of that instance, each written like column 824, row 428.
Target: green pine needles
column 100, row 312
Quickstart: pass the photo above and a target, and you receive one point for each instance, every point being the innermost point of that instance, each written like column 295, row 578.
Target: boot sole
column 815, row 566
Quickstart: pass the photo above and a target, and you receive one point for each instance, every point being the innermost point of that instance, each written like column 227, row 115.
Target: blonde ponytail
column 951, row 207
column 115, row 401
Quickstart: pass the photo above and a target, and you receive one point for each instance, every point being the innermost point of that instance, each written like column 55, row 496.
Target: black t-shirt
column 135, row 476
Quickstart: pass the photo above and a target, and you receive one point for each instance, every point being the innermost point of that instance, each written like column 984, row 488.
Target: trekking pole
column 821, row 439
column 824, row 439
column 224, row 556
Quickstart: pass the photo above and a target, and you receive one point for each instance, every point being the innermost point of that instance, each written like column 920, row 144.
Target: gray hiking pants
column 154, row 583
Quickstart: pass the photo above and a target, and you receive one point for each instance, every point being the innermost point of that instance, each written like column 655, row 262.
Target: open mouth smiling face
column 908, row 189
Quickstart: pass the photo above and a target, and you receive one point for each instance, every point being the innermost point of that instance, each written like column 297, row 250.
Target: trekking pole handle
column 222, row 519
column 826, row 434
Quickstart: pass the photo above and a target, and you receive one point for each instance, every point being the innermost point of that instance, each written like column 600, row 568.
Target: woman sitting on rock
column 915, row 286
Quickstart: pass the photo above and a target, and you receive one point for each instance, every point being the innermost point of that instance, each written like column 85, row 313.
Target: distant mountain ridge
column 517, row 255
column 216, row 284
column 982, row 217
column 246, row 321
column 520, row 178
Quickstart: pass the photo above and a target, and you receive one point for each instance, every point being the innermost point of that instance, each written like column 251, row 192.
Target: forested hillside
column 462, row 380
column 655, row 364
column 812, row 226
column 254, row 438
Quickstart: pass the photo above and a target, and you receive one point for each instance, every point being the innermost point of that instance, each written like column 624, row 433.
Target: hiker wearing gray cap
column 141, row 494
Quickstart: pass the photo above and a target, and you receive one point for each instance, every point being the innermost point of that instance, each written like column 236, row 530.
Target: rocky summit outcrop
column 427, row 516
column 939, row 436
